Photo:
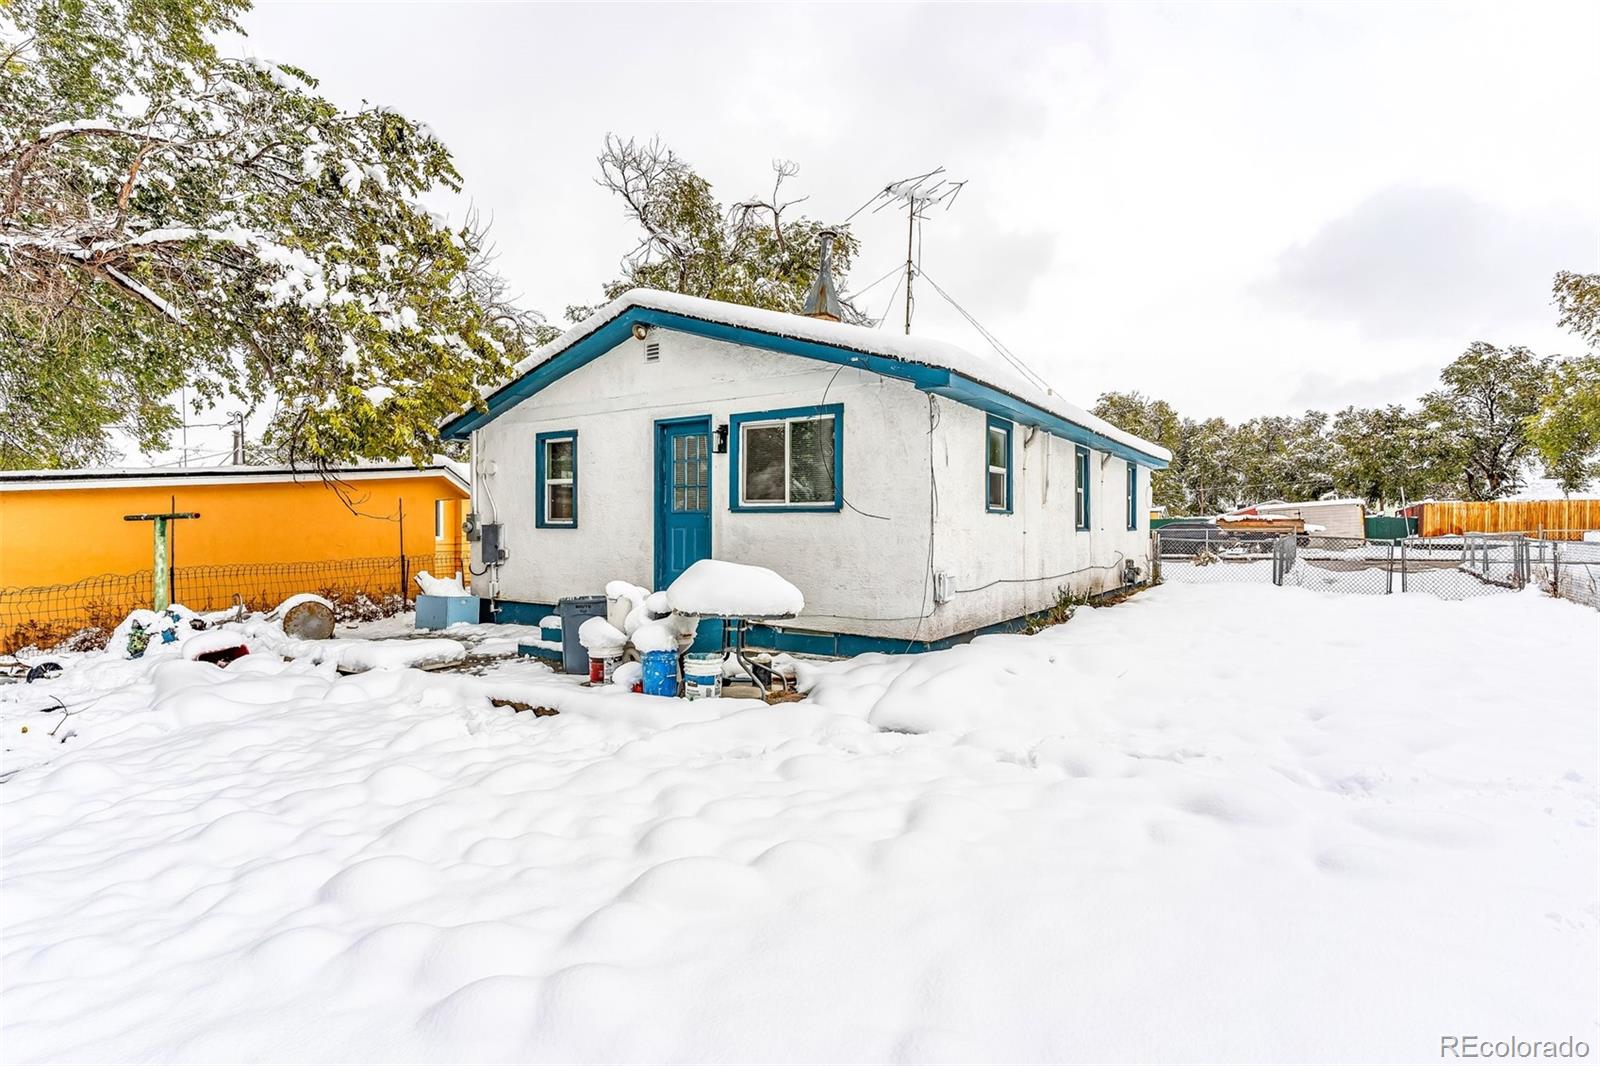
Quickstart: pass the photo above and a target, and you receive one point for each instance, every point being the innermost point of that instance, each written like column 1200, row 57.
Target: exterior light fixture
column 722, row 439
column 640, row 331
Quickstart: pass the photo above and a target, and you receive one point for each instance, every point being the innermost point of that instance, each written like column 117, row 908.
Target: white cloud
column 1137, row 171
column 1413, row 262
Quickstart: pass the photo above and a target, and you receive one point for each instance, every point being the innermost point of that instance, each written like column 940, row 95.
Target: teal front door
column 683, row 496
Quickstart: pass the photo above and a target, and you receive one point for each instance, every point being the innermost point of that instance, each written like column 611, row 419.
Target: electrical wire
column 1047, row 577
column 896, row 269
column 933, row 511
column 885, row 316
column 1005, row 353
column 843, row 498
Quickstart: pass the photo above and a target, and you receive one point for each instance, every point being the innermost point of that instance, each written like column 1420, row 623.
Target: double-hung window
column 557, row 476
column 1133, row 495
column 997, row 466
column 1081, row 489
column 789, row 460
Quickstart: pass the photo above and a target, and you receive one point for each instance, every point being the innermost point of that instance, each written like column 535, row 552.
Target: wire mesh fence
column 1452, row 568
column 1569, row 568
column 82, row 613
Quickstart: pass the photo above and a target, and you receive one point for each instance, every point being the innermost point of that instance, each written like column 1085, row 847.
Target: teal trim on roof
column 937, row 380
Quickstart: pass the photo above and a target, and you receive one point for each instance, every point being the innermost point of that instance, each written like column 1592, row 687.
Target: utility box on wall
column 489, row 544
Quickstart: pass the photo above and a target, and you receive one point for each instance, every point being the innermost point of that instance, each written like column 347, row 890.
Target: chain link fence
column 1569, row 568
column 1454, row 568
column 82, row 614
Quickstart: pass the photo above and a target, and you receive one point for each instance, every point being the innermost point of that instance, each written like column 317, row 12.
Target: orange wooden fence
column 1559, row 519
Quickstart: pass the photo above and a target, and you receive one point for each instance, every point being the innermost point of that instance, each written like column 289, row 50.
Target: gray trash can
column 574, row 611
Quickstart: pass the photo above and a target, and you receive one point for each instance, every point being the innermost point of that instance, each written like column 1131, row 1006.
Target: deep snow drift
column 1221, row 823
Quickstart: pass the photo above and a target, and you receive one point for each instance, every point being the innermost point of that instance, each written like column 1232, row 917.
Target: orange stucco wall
column 56, row 536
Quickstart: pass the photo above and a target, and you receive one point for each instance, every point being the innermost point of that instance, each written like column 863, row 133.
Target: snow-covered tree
column 1388, row 455
column 1488, row 398
column 755, row 253
column 171, row 216
column 1154, row 420
column 1567, row 428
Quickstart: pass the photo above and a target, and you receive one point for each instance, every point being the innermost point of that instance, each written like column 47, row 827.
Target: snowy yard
column 1215, row 823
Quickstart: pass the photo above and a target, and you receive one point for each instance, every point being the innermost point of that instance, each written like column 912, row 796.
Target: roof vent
column 823, row 299
column 652, row 351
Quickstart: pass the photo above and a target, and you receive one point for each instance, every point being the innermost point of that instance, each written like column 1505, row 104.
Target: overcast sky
column 1242, row 208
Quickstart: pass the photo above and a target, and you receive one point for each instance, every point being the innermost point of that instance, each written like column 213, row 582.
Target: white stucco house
column 915, row 492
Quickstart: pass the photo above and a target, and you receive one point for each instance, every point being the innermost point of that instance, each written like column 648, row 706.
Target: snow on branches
column 218, row 216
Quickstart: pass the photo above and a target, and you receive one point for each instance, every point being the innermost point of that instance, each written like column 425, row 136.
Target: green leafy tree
column 1567, row 428
column 1577, row 296
column 1282, row 458
column 1154, row 420
column 1482, row 414
column 1390, row 455
column 173, row 217
column 1211, row 482
column 756, row 252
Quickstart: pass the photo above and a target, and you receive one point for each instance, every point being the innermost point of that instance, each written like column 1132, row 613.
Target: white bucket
column 617, row 608
column 702, row 675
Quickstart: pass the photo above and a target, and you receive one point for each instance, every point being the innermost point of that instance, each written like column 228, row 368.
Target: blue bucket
column 660, row 673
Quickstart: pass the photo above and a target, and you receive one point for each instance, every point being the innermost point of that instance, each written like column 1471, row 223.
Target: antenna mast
column 920, row 194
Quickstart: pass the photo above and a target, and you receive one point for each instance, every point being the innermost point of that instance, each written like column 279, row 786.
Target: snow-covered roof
column 1305, row 504
column 145, row 477
column 990, row 371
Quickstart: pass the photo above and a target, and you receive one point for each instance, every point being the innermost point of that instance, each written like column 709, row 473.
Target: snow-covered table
column 738, row 594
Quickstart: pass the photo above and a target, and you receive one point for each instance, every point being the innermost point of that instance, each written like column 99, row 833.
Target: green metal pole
column 161, row 594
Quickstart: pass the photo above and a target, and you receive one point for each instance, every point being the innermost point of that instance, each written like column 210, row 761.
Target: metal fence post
column 1403, row 567
column 1388, row 572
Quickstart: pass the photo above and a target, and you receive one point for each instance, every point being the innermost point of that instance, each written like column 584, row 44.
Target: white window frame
column 1082, row 470
column 993, row 429
column 551, row 482
column 1133, row 496
column 788, row 467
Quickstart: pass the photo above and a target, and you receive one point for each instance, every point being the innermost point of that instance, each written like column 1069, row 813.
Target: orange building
column 261, row 531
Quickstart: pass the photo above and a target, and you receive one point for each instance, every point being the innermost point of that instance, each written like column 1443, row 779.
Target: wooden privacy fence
column 1558, row 519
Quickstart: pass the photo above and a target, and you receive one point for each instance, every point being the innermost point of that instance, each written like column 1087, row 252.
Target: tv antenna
column 919, row 194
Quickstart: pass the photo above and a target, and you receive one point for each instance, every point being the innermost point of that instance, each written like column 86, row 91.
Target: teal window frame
column 1005, row 427
column 739, row 422
column 1080, row 489
column 541, row 520
column 1133, row 495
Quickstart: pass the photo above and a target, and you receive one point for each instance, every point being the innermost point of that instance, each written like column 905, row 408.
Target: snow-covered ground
column 1214, row 823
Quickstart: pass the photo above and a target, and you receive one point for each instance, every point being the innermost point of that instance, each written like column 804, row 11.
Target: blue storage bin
column 437, row 612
